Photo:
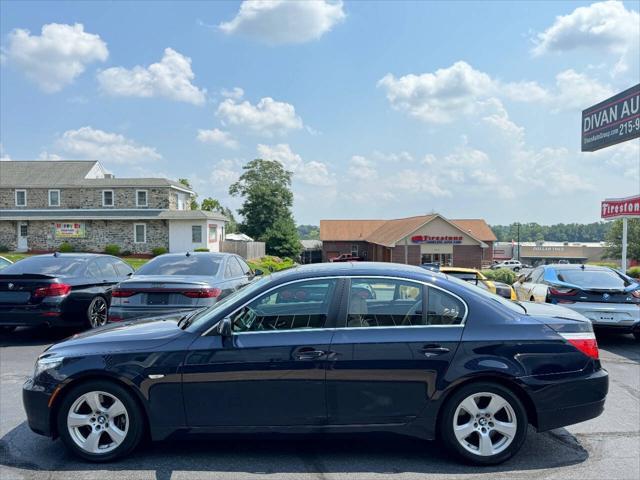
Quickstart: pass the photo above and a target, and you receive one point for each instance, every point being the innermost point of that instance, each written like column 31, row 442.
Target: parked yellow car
column 478, row 278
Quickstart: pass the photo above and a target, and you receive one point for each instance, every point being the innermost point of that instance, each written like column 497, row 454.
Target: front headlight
column 46, row 363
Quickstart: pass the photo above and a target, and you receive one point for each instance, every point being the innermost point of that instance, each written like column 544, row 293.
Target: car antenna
column 56, row 254
column 582, row 266
column 188, row 254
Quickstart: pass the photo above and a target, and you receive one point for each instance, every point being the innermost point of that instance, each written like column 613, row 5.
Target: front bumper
column 35, row 398
column 616, row 315
column 560, row 402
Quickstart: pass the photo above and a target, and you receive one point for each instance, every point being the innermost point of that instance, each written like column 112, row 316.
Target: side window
column 379, row 302
column 236, row 271
column 443, row 308
column 300, row 305
column 107, row 271
column 246, row 270
column 122, row 269
column 536, row 275
column 94, row 271
column 227, row 269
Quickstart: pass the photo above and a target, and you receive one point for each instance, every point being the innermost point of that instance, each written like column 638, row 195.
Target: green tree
column 193, row 205
column 309, row 232
column 265, row 187
column 614, row 240
column 213, row 205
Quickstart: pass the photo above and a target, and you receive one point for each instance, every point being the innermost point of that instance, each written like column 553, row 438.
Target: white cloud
column 225, row 172
column 283, row 21
column 93, row 144
column 268, row 117
column 57, row 56
column 312, row 173
column 4, row 156
column 217, row 136
column 606, row 26
column 236, row 93
column 362, row 168
column 577, row 91
column 170, row 78
column 403, row 156
column 44, row 155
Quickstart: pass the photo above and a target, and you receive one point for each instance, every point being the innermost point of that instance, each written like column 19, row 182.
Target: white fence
column 246, row 250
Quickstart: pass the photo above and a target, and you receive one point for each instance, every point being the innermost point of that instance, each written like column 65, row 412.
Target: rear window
column 182, row 265
column 468, row 276
column 49, row 265
column 596, row 279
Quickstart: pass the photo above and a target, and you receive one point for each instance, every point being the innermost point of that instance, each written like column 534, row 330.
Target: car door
column 240, row 276
column 271, row 370
column 393, row 342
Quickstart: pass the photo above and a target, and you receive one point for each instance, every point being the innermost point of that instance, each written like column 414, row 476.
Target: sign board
column 69, row 230
column 628, row 207
column 444, row 239
column 615, row 120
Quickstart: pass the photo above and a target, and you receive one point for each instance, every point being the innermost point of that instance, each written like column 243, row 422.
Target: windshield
column 182, row 265
column 202, row 317
column 516, row 307
column 595, row 279
column 49, row 265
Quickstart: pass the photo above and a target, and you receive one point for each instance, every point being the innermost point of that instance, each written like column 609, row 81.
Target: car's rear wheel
column 100, row 421
column 97, row 312
column 516, row 269
column 484, row 423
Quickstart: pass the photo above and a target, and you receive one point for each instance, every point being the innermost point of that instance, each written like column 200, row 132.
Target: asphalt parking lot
column 606, row 447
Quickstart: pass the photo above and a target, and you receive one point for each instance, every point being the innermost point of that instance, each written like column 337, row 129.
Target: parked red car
column 346, row 257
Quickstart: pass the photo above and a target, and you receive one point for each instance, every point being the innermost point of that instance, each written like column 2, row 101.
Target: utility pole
column 624, row 245
column 518, row 241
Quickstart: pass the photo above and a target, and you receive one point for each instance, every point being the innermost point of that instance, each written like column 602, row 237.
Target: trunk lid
column 18, row 289
column 164, row 291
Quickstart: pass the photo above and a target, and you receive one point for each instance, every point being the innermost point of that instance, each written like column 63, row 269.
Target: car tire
column 90, row 431
column 492, row 434
column 97, row 312
column 7, row 328
column 516, row 269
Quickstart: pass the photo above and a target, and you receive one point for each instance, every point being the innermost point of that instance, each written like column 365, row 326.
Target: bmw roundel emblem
column 606, row 296
column 10, row 286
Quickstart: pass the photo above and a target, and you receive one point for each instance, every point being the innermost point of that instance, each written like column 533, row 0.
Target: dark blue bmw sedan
column 326, row 348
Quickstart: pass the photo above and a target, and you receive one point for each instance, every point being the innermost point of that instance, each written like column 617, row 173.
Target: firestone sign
column 621, row 207
column 612, row 121
column 444, row 239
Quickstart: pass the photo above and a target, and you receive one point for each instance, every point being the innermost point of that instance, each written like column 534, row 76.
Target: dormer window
column 141, row 198
column 107, row 198
column 21, row 198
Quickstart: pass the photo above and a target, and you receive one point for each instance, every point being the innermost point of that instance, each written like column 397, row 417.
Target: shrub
column 634, row 272
column 200, row 249
column 4, row 248
column 270, row 263
column 606, row 264
column 503, row 275
column 127, row 253
column 159, row 251
column 112, row 249
column 65, row 247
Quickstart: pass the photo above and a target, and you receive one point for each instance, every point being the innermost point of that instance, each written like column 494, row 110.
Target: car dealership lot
column 606, row 447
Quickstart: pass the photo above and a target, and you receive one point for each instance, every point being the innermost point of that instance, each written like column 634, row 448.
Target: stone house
column 46, row 203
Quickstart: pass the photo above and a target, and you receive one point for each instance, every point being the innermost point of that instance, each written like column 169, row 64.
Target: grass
column 135, row 262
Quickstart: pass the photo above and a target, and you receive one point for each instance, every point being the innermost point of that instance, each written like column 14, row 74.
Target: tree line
column 560, row 232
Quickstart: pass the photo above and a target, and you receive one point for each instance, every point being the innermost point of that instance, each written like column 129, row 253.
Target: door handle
column 433, row 350
column 309, row 354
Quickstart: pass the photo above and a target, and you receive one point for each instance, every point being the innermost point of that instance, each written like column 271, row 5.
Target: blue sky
column 381, row 109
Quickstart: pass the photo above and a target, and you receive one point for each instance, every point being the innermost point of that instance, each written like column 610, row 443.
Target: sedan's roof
column 576, row 266
column 357, row 269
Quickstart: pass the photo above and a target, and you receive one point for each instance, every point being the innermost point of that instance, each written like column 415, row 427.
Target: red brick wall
column 413, row 254
column 467, row 256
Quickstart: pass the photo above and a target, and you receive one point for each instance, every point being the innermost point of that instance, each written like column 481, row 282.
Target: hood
column 549, row 310
column 119, row 337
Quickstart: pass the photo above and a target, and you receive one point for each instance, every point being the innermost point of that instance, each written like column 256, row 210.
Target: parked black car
column 311, row 349
column 178, row 282
column 60, row 289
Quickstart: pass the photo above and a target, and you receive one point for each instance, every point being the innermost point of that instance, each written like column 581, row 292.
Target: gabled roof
column 388, row 232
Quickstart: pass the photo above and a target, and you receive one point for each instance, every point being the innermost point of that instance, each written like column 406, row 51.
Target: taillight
column 203, row 293
column 122, row 293
column 53, row 290
column 562, row 291
column 585, row 342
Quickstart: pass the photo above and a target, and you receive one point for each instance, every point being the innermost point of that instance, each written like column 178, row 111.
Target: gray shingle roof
column 109, row 214
column 68, row 173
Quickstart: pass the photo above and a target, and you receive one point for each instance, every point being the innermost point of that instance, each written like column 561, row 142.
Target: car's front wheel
column 484, row 423
column 100, row 421
column 97, row 312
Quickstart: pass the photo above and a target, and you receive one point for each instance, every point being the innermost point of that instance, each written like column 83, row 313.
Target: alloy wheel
column 98, row 312
column 98, row 422
column 485, row 424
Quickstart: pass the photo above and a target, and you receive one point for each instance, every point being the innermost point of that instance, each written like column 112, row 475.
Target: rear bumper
column 35, row 399
column 43, row 314
column 564, row 402
column 609, row 315
column 118, row 314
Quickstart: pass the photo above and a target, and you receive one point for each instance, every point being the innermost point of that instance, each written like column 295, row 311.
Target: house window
column 54, row 198
column 141, row 198
column 140, row 233
column 107, row 198
column 213, row 233
column 354, row 250
column 21, row 198
column 196, row 233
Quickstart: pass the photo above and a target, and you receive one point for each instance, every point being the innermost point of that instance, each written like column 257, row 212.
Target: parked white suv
column 514, row 265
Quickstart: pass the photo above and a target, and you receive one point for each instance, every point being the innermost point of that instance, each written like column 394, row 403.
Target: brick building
column 46, row 203
column 413, row 240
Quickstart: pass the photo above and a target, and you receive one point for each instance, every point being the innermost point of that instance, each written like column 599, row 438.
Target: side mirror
column 224, row 327
column 257, row 272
